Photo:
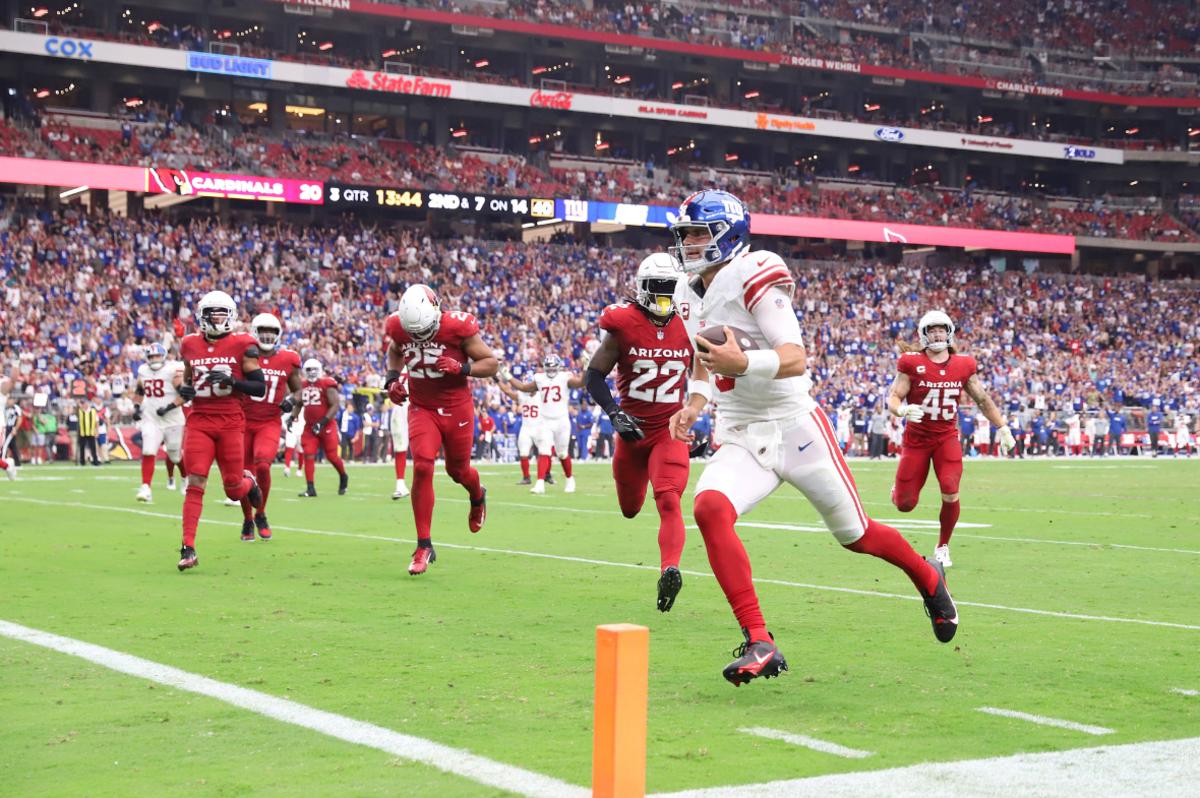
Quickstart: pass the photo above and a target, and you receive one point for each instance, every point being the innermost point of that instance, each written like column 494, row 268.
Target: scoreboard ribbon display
column 401, row 199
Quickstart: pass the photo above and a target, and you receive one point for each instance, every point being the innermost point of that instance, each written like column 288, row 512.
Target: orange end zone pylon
column 622, row 683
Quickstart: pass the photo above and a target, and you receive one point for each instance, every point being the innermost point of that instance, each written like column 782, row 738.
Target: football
column 717, row 336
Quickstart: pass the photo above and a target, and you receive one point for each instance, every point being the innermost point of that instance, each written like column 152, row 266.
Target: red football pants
column 262, row 445
column 449, row 429
column 946, row 457
column 661, row 461
column 207, row 438
column 328, row 441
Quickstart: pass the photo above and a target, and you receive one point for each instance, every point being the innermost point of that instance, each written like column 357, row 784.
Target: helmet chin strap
column 938, row 346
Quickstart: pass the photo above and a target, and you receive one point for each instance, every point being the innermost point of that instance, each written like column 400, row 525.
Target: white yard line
column 454, row 761
column 1042, row 720
column 1185, row 691
column 611, row 564
column 1138, row 770
column 808, row 742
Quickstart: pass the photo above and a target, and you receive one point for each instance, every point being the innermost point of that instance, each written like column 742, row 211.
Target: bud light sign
column 889, row 134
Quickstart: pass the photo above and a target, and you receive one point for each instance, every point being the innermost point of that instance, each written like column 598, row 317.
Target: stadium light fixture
column 539, row 70
column 750, row 95
column 323, row 46
column 1193, row 132
column 42, row 94
column 731, row 156
column 677, row 85
column 388, row 53
column 481, row 63
column 622, row 79
column 38, row 13
column 460, row 133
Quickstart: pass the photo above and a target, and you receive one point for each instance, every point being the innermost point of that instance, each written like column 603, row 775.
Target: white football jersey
column 730, row 299
column 158, row 390
column 552, row 395
column 530, row 406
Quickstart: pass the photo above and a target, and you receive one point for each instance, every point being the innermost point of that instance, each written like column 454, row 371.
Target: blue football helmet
column 725, row 220
column 552, row 364
column 156, row 356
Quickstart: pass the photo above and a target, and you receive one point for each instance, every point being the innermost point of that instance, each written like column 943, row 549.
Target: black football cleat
column 254, row 495
column 754, row 660
column 187, row 558
column 421, row 559
column 310, row 492
column 248, row 531
column 940, row 607
column 549, row 478
column 264, row 528
column 343, row 483
column 525, row 481
column 478, row 513
column 670, row 582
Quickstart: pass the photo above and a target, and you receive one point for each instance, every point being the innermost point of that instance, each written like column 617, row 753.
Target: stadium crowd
column 155, row 136
column 85, row 294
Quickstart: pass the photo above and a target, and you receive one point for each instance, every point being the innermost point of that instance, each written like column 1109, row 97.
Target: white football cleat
column 539, row 487
column 232, row 503
column 942, row 555
column 143, row 494
column 11, row 472
column 570, row 486
column 287, row 471
column 401, row 490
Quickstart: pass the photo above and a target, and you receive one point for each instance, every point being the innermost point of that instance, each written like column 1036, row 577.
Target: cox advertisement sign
column 69, row 48
column 204, row 184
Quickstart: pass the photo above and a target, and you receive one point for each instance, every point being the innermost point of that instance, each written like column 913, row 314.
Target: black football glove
column 137, row 412
column 287, row 405
column 699, row 447
column 222, row 378
column 162, row 411
column 187, row 392
column 317, row 427
column 626, row 426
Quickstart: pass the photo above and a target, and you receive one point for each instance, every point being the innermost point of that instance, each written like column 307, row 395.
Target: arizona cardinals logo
column 170, row 181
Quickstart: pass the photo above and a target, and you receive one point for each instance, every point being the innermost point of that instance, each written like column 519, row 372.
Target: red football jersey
column 224, row 354
column 315, row 398
column 653, row 367
column 938, row 387
column 276, row 368
column 428, row 387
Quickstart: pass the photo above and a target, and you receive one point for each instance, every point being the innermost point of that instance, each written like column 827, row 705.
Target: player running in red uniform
column 929, row 384
column 264, row 423
column 440, row 350
column 218, row 364
column 321, row 402
column 648, row 343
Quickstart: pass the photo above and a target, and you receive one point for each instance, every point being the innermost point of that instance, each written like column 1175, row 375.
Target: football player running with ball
column 264, row 414
column 218, row 364
column 647, row 342
column 929, row 384
column 770, row 428
column 321, row 401
column 439, row 349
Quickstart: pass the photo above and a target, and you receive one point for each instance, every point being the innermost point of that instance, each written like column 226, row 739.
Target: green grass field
column 492, row 650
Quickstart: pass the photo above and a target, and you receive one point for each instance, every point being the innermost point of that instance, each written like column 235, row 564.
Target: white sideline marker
column 454, row 761
column 1044, row 721
column 1184, row 691
column 808, row 742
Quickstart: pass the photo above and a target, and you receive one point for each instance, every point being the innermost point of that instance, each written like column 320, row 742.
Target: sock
column 336, row 461
column 727, row 556
column 170, row 468
column 671, row 534
column 262, row 473
column 422, row 497
column 3, row 464
column 884, row 542
column 525, row 467
column 147, row 469
column 287, row 456
column 543, row 466
column 193, row 502
column 464, row 474
column 566, row 466
column 401, row 462
column 948, row 518
column 247, row 509
column 310, row 468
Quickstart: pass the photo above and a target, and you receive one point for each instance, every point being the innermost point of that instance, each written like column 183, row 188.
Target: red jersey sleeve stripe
column 752, row 278
column 755, row 295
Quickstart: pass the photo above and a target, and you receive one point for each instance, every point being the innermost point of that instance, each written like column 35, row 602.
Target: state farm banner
column 565, row 101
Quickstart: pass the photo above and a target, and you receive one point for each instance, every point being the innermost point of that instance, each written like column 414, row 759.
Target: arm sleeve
column 598, row 388
column 777, row 320
column 254, row 384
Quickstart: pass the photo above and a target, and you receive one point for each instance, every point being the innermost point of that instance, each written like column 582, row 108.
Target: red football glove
column 448, row 365
column 397, row 393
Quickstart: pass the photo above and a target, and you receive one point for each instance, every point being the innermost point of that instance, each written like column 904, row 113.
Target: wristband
column 701, row 388
column 466, row 368
column 761, row 363
column 391, row 377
